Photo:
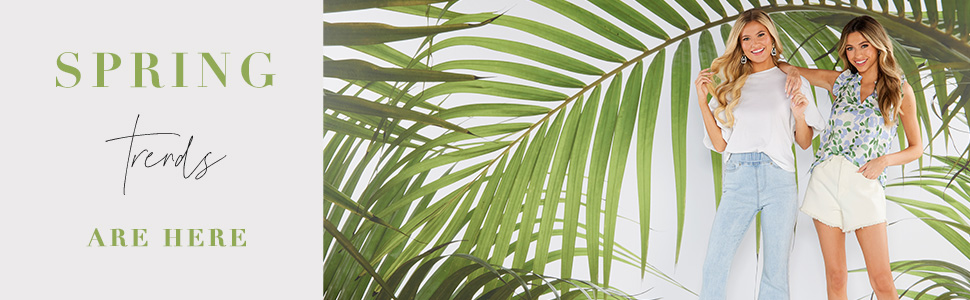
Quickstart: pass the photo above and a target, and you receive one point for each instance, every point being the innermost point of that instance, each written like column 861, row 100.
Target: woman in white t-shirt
column 753, row 123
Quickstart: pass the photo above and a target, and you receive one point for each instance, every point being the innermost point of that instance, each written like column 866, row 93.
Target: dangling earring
column 773, row 53
column 744, row 59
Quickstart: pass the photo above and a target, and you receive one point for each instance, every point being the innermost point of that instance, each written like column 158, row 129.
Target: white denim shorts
column 839, row 196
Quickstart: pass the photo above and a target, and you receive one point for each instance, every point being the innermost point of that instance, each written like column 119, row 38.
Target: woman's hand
column 798, row 104
column 803, row 132
column 794, row 82
column 874, row 168
column 702, row 83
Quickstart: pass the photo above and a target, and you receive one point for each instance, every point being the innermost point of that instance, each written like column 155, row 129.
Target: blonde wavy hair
column 889, row 79
column 729, row 69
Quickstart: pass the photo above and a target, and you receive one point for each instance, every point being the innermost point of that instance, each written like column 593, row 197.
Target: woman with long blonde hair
column 754, row 123
column 846, row 191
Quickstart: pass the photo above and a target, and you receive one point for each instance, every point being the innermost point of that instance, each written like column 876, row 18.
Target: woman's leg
column 733, row 217
column 832, row 241
column 875, row 249
column 778, row 215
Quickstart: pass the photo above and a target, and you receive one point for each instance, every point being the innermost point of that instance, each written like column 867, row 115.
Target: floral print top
column 855, row 128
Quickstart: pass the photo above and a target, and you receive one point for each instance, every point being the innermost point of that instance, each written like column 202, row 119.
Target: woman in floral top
column 846, row 189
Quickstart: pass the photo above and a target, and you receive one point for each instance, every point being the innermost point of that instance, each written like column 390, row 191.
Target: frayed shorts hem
column 840, row 227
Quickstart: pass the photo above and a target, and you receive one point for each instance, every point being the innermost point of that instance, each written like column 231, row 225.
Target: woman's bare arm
column 816, row 77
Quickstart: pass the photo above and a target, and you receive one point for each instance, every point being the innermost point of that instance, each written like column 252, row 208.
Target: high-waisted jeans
column 752, row 183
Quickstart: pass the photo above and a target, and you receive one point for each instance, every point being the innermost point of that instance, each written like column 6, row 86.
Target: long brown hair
column 729, row 68
column 889, row 79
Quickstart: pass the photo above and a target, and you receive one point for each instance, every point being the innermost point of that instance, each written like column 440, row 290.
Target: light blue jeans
column 752, row 183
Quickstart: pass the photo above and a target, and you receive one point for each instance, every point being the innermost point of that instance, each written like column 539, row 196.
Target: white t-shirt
column 763, row 121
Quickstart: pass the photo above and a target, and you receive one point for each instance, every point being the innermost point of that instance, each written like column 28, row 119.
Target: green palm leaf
column 649, row 102
column 357, row 105
column 353, row 34
column 574, row 186
column 623, row 134
column 355, row 69
column 527, row 72
column 593, row 22
column 553, row 193
column 600, row 155
column 345, row 5
column 345, row 243
column 679, row 100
